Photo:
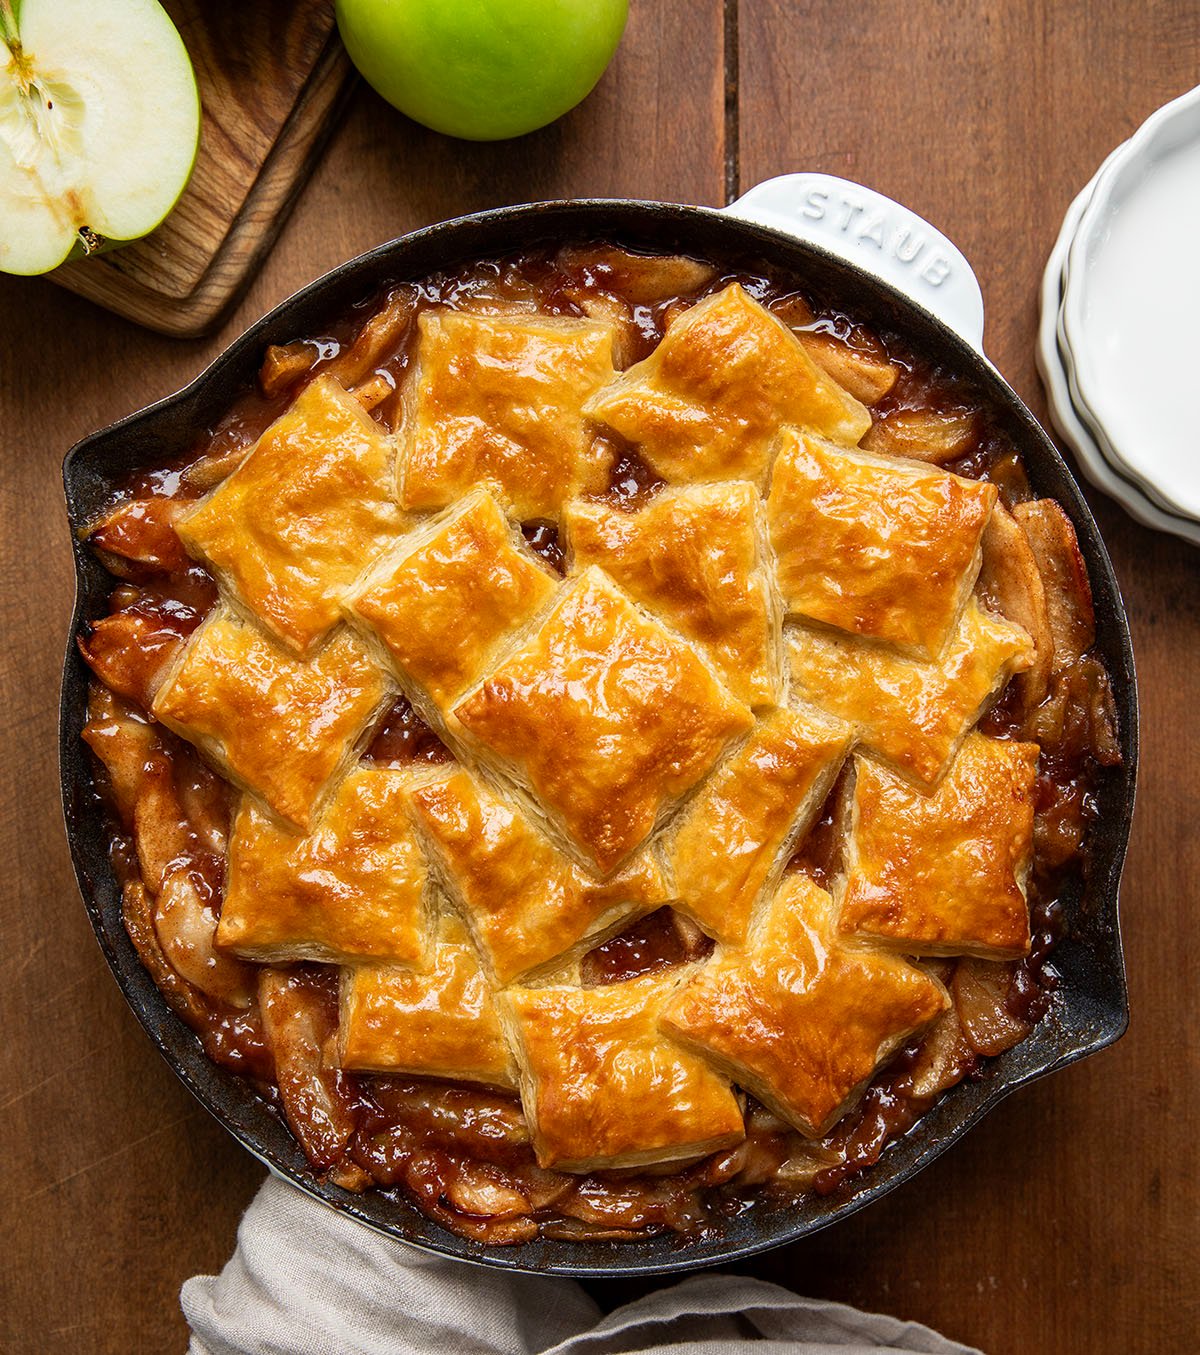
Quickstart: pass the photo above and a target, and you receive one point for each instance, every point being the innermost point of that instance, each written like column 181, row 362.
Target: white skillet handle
column 876, row 234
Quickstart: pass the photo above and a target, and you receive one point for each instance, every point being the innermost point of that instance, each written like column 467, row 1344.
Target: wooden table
column 1070, row 1220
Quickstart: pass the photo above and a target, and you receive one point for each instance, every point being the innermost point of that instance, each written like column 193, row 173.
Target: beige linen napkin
column 305, row 1280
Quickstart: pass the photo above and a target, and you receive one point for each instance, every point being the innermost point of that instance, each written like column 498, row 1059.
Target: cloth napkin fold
column 306, row 1280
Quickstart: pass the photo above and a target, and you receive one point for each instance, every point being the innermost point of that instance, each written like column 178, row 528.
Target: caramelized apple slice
column 376, row 341
column 867, row 376
column 374, row 390
column 934, row 435
column 284, row 365
column 125, row 741
column 1079, row 716
column 642, row 278
column 138, row 537
column 299, row 1012
column 433, row 1179
column 206, row 801
column 609, row 310
column 1064, row 576
column 806, row 1160
column 1011, row 584
column 209, row 471
column 980, row 990
column 129, row 651
column 160, row 825
column 476, row 1189
column 185, row 924
column 350, row 1176
column 944, row 1058
column 793, row 310
column 137, row 912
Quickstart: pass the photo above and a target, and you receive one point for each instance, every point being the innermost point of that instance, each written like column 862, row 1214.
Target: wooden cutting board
column 272, row 75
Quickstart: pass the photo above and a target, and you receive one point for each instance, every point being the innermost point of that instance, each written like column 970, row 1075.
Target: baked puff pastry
column 525, row 902
column 497, row 400
column 604, row 719
column 293, row 527
column 443, row 600
column 730, row 842
column 282, row 727
column 796, row 1018
column 883, row 549
column 602, row 1088
column 437, row 1021
column 353, row 889
column 696, row 556
column 913, row 715
column 708, row 402
column 943, row 873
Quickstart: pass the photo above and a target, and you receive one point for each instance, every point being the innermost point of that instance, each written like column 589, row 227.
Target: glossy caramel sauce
column 655, row 942
column 887, row 1110
column 403, row 737
column 461, row 1153
column 542, row 539
column 631, row 482
column 145, row 629
column 819, row 854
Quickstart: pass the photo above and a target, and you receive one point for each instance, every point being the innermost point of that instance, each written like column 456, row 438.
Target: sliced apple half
column 99, row 124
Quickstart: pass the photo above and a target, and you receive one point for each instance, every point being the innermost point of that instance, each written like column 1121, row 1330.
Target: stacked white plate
column 1119, row 341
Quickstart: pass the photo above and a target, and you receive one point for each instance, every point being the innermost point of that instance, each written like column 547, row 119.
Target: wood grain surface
column 270, row 77
column 1069, row 1221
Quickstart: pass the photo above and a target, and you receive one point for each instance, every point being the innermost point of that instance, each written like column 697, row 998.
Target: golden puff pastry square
column 436, row 1021
column 883, row 549
column 352, row 889
column 601, row 1086
column 696, row 556
column 796, row 1018
column 912, row 714
column 444, row 599
column 729, row 844
column 709, row 401
column 498, row 400
column 943, row 873
column 282, row 727
column 525, row 901
column 603, row 718
column 303, row 515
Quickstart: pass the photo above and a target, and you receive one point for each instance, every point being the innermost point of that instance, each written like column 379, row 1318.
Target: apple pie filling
column 596, row 740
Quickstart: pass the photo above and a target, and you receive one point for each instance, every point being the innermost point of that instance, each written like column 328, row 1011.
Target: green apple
column 482, row 69
column 99, row 124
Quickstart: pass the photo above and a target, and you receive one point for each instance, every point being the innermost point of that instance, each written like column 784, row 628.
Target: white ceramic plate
column 1050, row 361
column 1083, row 415
column 1099, row 438
column 1129, row 305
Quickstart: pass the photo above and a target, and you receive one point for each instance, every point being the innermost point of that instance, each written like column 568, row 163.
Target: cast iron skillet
column 1091, row 1010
